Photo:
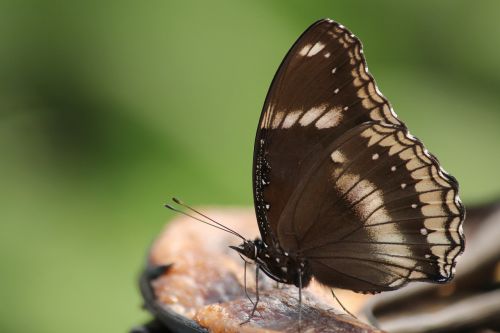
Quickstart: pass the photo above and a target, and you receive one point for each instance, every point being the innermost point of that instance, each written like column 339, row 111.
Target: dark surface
column 165, row 320
column 154, row 326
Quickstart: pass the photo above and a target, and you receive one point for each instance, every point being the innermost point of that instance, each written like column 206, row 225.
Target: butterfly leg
column 342, row 305
column 256, row 295
column 300, row 297
column 245, row 282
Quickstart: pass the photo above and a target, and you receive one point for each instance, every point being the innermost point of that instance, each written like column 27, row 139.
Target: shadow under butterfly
column 343, row 192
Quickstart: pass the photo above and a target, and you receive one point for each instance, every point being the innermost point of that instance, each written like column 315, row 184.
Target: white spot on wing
column 277, row 119
column 375, row 156
column 315, row 49
column 347, row 181
column 327, row 55
column 312, row 114
column 291, row 119
column 305, row 49
column 330, row 119
column 435, row 223
column 368, row 203
column 397, row 282
column 338, row 157
column 433, row 210
column 358, row 189
column 437, row 237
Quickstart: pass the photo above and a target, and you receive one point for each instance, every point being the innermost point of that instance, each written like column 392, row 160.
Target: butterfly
column 342, row 191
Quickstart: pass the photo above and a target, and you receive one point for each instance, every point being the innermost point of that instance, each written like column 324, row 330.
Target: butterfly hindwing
column 376, row 207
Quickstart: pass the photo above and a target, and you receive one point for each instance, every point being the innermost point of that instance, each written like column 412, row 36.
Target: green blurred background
column 107, row 109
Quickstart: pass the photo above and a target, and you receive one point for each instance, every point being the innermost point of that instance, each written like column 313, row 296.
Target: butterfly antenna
column 179, row 202
column 200, row 220
column 214, row 223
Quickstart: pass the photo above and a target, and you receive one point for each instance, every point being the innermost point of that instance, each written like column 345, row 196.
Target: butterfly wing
column 374, row 212
column 322, row 100
column 321, row 89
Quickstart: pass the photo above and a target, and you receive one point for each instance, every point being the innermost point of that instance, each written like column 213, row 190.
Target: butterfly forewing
column 321, row 90
column 339, row 180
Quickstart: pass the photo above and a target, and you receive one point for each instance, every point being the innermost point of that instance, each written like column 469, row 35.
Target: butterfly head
column 248, row 249
column 275, row 263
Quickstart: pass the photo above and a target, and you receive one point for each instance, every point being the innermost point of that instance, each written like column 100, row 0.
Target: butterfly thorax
column 279, row 265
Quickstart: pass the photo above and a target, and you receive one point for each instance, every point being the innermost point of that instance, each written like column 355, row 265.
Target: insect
column 343, row 192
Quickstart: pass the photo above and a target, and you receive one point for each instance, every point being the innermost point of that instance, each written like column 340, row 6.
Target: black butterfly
column 343, row 193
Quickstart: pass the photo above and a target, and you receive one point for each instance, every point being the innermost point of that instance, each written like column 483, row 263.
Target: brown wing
column 321, row 90
column 374, row 212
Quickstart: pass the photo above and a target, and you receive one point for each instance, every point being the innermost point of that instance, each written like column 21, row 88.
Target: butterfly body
column 278, row 265
column 343, row 192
